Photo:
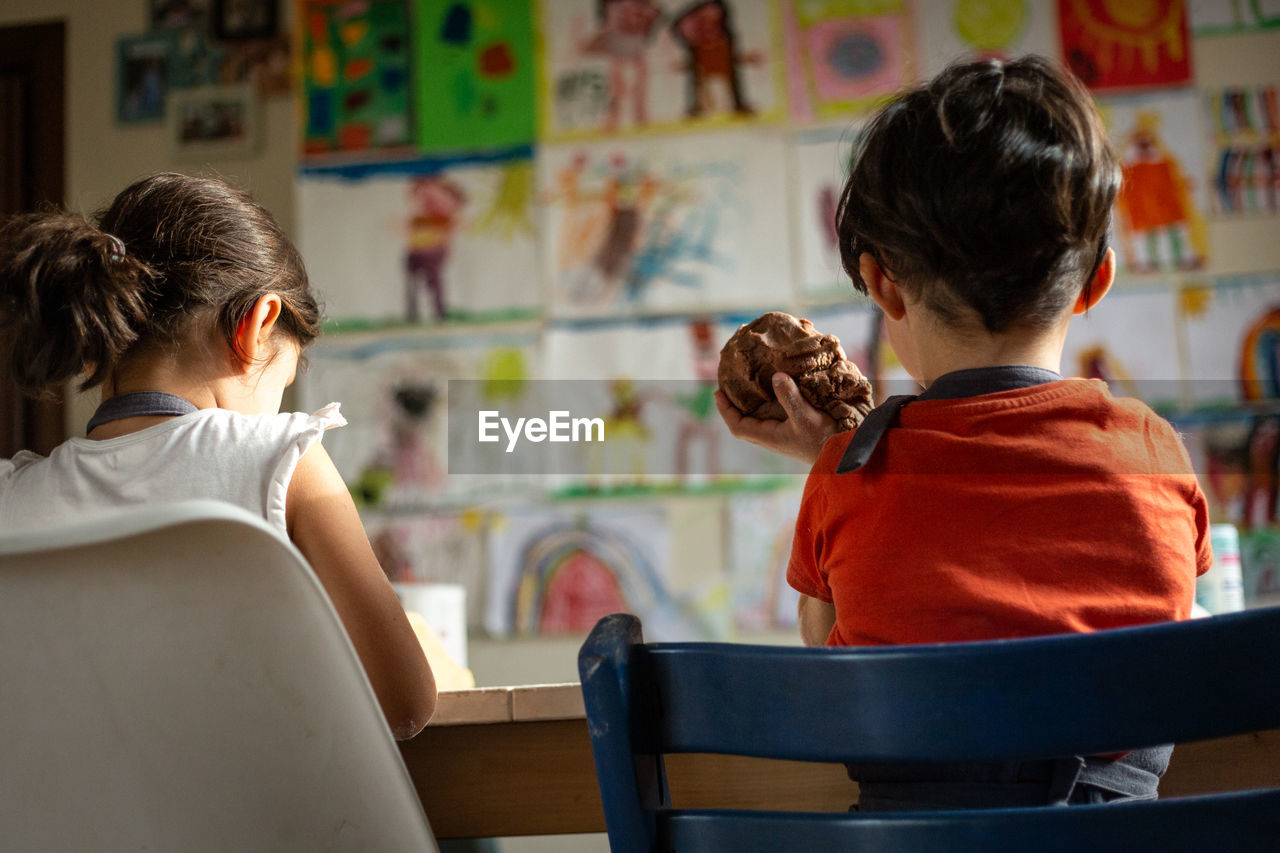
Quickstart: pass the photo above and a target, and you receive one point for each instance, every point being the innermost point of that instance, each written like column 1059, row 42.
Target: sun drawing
column 1123, row 34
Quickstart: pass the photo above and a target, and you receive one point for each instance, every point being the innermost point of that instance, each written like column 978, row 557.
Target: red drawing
column 1121, row 44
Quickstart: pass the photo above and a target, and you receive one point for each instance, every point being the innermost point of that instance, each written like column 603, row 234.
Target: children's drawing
column 558, row 571
column 1128, row 341
column 474, row 85
column 699, row 421
column 1218, row 17
column 950, row 30
column 653, row 383
column 433, row 548
column 705, row 30
column 626, row 66
column 437, row 205
column 1160, row 207
column 355, row 75
column 1244, row 169
column 395, row 451
column 1115, row 44
column 409, row 246
column 1236, row 456
column 641, row 227
column 761, row 527
column 844, row 54
column 823, row 158
column 1232, row 337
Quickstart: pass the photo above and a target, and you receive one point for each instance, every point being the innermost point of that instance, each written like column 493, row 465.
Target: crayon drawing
column 433, row 548
column 654, row 385
column 422, row 246
column 555, row 572
column 1244, row 168
column 844, row 54
column 1236, row 457
column 1220, row 17
column 1113, row 44
column 355, row 75
column 474, row 83
column 1160, row 209
column 822, row 161
column 761, row 527
column 691, row 224
column 628, row 66
column 948, row 30
column 1232, row 338
column 394, row 451
column 1128, row 341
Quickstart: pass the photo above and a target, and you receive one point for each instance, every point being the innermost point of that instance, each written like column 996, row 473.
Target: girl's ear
column 1102, row 280
column 253, row 337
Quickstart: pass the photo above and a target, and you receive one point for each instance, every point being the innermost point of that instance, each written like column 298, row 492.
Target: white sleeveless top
column 218, row 454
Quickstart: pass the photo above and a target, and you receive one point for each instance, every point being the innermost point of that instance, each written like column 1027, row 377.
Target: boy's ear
column 254, row 333
column 882, row 289
column 1102, row 280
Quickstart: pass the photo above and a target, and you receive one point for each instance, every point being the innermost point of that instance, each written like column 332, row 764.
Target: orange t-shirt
column 1051, row 509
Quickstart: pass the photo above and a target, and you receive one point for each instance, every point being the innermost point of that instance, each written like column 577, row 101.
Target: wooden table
column 506, row 761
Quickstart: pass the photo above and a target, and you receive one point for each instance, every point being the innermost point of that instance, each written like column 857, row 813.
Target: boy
column 1004, row 501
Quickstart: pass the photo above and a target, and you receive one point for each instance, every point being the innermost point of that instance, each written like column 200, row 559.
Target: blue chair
column 1080, row 694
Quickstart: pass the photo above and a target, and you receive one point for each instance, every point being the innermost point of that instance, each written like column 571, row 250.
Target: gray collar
column 973, row 382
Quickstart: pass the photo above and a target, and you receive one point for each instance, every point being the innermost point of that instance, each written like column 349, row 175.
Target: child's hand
column 800, row 436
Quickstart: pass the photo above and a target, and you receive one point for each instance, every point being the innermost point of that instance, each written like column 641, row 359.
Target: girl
column 190, row 308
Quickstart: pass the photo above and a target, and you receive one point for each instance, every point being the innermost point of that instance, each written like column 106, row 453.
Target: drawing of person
column 1155, row 200
column 705, row 30
column 699, row 405
column 436, row 204
column 626, row 27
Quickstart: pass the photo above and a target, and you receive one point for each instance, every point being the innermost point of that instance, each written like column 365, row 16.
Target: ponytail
column 72, row 300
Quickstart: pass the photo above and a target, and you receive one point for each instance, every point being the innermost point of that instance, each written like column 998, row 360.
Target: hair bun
column 71, row 297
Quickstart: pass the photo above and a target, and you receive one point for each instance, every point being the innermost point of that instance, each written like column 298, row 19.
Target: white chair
column 175, row 678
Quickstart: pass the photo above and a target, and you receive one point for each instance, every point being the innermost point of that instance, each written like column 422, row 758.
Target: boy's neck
column 944, row 351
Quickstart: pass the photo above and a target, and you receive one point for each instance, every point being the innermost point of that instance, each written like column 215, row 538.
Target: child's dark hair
column 989, row 187
column 170, row 254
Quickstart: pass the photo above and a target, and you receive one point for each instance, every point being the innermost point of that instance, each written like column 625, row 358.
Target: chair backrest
column 1080, row 694
column 175, row 678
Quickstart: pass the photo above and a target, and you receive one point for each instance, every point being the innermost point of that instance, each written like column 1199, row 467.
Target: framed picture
column 142, row 75
column 245, row 19
column 179, row 14
column 211, row 122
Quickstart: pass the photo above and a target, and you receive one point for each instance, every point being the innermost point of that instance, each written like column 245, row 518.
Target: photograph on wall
column 179, row 14
column 212, row 122
column 355, row 75
column 1128, row 340
column 474, row 75
column 1232, row 332
column 1113, row 46
column 629, row 66
column 1244, row 140
column 245, row 19
column 264, row 64
column 1225, row 17
column 950, row 30
column 760, row 530
column 691, row 222
column 822, row 159
column 142, row 75
column 844, row 55
column 1160, row 212
column 557, row 571
column 409, row 246
column 394, row 452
